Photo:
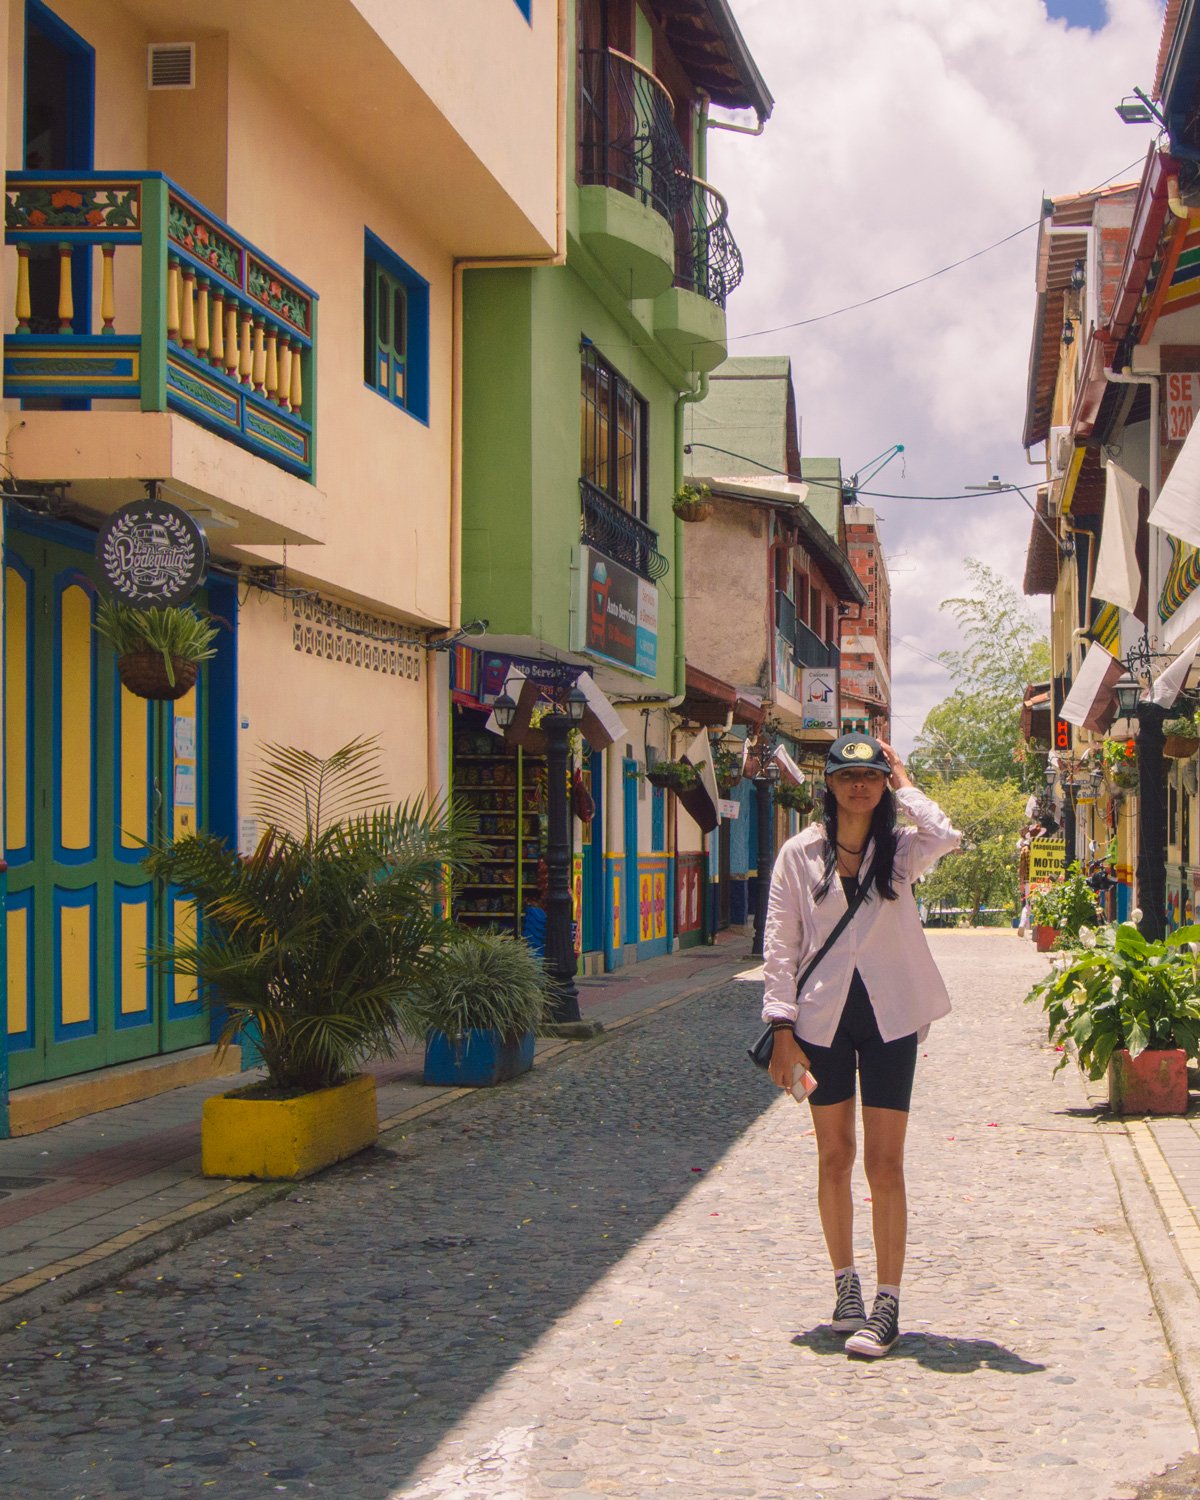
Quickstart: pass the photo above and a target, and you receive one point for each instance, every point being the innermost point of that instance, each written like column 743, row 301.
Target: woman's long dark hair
column 882, row 830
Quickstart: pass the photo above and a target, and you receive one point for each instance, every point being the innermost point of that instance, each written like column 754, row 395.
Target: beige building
column 233, row 279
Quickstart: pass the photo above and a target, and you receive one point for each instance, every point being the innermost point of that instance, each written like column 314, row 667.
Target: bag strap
column 860, row 895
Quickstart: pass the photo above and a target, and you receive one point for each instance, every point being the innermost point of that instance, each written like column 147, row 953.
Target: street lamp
column 768, row 775
column 1152, row 803
column 560, row 946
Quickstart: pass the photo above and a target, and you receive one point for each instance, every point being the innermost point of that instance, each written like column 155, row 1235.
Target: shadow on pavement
column 333, row 1340
column 936, row 1351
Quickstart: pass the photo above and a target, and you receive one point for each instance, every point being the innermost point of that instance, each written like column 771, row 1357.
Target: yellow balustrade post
column 217, row 351
column 173, row 302
column 187, row 320
column 259, row 371
column 245, row 356
column 231, row 340
column 24, row 300
column 285, row 372
column 272, row 373
column 297, row 394
column 108, row 299
column 66, row 297
column 202, row 330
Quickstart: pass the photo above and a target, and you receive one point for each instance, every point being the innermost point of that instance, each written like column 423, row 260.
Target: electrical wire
column 918, row 281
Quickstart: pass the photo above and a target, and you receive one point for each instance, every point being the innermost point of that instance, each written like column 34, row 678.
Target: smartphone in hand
column 803, row 1083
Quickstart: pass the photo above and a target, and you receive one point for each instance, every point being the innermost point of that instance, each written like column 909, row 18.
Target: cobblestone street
column 609, row 1279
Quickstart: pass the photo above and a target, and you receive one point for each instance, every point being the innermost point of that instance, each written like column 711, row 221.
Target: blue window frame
column 395, row 329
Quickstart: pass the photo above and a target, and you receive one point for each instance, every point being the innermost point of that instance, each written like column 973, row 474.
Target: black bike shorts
column 885, row 1068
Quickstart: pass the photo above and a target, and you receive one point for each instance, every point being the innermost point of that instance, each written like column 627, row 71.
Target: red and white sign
column 1183, row 397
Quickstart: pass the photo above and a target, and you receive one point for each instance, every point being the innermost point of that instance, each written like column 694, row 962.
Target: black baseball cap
column 856, row 752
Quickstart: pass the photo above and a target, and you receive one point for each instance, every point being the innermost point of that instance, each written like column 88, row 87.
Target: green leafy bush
column 1117, row 989
column 485, row 981
column 1068, row 904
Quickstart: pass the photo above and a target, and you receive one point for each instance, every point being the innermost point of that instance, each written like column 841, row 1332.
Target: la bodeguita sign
column 152, row 554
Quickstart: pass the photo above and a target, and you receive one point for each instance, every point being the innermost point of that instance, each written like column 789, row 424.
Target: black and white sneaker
column 849, row 1312
column 881, row 1331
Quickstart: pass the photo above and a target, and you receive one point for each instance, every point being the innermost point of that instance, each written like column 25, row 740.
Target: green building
column 576, row 378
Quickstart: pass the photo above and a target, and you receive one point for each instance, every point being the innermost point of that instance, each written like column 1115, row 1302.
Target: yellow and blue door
column 92, row 773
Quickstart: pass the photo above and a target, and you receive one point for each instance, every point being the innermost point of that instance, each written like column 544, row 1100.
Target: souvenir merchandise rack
column 507, row 793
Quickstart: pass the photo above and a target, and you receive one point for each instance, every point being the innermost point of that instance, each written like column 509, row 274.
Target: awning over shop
column 710, row 701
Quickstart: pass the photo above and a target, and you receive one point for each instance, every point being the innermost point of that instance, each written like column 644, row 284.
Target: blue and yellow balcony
column 185, row 316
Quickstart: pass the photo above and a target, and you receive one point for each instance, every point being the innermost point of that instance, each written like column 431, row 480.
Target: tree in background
column 978, row 726
column 989, row 815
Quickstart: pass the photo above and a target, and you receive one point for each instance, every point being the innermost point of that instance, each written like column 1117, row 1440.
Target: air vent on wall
column 171, row 65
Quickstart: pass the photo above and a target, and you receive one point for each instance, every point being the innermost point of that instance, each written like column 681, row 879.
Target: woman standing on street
column 864, row 1008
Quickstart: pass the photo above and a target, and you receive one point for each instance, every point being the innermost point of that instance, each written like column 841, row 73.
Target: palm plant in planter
column 480, row 1009
column 1130, row 1007
column 313, row 945
column 1061, row 909
column 158, row 650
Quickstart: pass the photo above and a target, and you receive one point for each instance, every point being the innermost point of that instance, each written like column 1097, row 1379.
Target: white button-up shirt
column 884, row 940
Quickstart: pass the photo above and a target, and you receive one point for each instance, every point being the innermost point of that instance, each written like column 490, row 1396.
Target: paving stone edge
column 90, row 1270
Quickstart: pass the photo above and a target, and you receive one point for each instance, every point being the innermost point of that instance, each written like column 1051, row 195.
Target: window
column 613, row 434
column 395, row 329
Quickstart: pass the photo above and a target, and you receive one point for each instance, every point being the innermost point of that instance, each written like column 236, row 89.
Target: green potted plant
column 1120, row 763
column 728, row 766
column 692, row 502
column 796, row 798
column 480, row 1010
column 311, row 948
column 673, row 775
column 1060, row 909
column 1180, row 737
column 158, row 650
column 1131, row 1009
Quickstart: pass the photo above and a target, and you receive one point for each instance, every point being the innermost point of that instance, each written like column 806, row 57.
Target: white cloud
column 906, row 135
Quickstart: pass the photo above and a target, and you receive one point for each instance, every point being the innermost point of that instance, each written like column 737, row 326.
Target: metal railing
column 627, row 135
column 785, row 617
column 209, row 326
column 611, row 529
column 810, row 650
column 707, row 259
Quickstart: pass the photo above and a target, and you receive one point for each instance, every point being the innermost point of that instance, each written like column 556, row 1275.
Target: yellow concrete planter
column 272, row 1138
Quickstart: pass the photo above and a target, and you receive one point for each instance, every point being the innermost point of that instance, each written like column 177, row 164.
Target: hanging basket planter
column 144, row 673
column 1180, row 746
column 693, row 502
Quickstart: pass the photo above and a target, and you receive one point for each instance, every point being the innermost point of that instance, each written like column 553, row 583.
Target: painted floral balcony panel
column 205, row 325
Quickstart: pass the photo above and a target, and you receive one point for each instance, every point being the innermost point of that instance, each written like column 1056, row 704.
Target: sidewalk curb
column 1170, row 1272
column 65, row 1281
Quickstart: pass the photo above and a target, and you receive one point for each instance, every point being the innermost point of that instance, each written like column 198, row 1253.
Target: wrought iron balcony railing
column 809, row 650
column 627, row 135
column 785, row 617
column 707, row 259
column 610, row 528
column 210, row 326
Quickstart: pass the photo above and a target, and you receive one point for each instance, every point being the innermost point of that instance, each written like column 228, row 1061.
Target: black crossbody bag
column 760, row 1053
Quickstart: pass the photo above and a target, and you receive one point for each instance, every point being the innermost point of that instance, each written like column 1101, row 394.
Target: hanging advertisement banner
column 618, row 614
column 818, row 694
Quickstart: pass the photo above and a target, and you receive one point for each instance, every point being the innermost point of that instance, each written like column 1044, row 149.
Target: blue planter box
column 479, row 1059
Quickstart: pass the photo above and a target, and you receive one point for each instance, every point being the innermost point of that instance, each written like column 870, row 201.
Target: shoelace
column 882, row 1321
column 849, row 1297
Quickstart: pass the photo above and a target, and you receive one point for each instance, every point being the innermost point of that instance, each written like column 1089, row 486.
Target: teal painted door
column 91, row 772
column 630, row 916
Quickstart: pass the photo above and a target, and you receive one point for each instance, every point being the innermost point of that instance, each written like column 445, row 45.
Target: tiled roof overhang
column 710, row 701
column 712, row 51
column 1041, row 558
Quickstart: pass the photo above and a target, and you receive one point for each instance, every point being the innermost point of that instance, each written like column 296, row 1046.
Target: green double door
column 90, row 773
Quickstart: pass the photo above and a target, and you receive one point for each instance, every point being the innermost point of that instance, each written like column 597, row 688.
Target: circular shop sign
column 152, row 553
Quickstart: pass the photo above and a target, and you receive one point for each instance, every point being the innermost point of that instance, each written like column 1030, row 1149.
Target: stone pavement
column 608, row 1279
column 82, row 1201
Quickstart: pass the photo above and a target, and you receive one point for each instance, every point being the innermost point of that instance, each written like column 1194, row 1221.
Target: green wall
column 521, row 437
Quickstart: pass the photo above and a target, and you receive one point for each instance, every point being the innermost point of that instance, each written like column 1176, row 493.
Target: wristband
column 782, row 1025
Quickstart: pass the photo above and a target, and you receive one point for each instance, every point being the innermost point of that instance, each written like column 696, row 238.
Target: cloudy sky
column 908, row 134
